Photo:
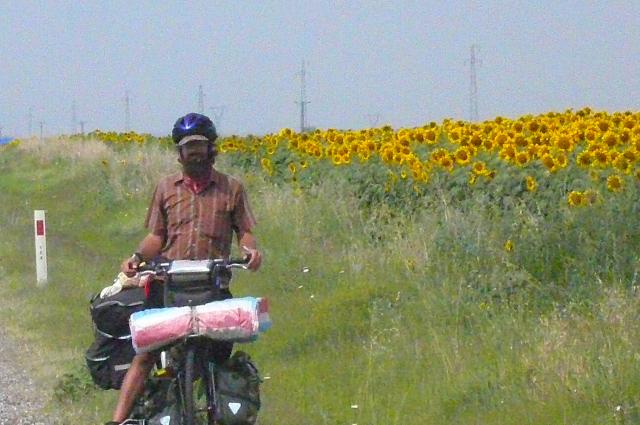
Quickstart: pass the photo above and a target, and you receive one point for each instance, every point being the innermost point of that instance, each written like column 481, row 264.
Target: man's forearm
column 247, row 240
column 150, row 246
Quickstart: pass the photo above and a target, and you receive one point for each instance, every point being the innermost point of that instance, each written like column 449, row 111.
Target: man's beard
column 197, row 168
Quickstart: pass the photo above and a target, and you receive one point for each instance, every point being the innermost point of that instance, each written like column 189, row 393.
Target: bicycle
column 185, row 374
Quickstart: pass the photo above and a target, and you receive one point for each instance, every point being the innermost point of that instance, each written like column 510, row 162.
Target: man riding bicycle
column 193, row 216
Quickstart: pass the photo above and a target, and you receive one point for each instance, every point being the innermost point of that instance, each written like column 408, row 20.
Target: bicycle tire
column 189, row 375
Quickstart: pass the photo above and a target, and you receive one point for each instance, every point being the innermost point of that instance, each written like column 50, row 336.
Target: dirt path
column 20, row 400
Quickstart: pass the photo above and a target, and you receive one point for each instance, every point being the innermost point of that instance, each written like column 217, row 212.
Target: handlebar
column 164, row 266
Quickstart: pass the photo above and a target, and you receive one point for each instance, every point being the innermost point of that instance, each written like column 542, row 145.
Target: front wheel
column 189, row 373
column 198, row 395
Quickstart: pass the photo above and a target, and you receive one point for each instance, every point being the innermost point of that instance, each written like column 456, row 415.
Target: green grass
column 416, row 319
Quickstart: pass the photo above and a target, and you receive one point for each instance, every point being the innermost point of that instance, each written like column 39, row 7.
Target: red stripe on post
column 39, row 227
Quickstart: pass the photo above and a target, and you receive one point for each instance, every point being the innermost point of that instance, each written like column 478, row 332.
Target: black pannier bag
column 110, row 355
column 238, row 390
column 111, row 314
column 108, row 360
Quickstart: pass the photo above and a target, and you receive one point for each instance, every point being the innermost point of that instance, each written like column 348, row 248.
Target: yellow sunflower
column 508, row 152
column 430, row 136
column 549, row 162
column 438, row 154
column 476, row 140
column 615, row 183
column 561, row 160
column 603, row 126
column 521, row 141
column 630, row 155
column 462, row 156
column 584, row 159
column 576, row 199
column 446, row 162
column 479, row 168
column 522, row 158
column 267, row 166
column 601, row 156
column 622, row 164
column 610, row 139
column 508, row 245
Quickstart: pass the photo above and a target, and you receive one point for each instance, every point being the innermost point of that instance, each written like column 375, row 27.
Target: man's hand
column 130, row 265
column 149, row 248
column 255, row 258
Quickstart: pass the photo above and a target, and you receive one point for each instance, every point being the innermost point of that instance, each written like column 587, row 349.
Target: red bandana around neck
column 197, row 185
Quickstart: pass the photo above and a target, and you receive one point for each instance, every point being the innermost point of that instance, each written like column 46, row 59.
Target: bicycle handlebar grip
column 145, row 267
column 244, row 260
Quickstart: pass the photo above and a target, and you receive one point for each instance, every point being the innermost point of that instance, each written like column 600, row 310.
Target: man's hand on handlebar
column 255, row 258
column 130, row 265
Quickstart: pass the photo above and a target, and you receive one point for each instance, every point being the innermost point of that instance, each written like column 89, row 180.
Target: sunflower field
column 581, row 157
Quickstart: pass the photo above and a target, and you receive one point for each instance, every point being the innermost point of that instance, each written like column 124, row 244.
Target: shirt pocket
column 218, row 224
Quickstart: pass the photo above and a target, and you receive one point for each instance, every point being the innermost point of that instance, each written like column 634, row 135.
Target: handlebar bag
column 193, row 283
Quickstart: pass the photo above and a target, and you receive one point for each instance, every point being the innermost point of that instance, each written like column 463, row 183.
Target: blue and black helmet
column 193, row 124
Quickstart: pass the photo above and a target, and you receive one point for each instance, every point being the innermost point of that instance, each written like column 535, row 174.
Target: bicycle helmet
column 193, row 127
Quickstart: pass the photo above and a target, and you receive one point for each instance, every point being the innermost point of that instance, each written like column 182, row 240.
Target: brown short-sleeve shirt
column 199, row 226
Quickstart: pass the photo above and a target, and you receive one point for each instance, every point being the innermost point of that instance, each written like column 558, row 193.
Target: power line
column 303, row 99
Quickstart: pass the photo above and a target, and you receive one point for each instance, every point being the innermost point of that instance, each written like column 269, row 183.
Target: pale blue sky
column 404, row 60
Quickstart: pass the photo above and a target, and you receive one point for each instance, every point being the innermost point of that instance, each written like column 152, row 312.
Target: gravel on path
column 20, row 399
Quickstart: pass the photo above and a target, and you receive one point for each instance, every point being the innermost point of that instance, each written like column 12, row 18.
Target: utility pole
column 473, row 86
column 82, row 123
column 303, row 99
column 217, row 112
column 127, row 111
column 200, row 99
column 41, row 131
column 74, row 118
column 30, row 118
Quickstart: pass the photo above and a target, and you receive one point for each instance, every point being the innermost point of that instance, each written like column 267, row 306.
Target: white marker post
column 41, row 247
